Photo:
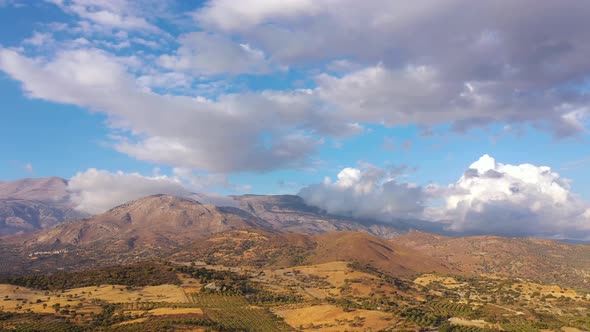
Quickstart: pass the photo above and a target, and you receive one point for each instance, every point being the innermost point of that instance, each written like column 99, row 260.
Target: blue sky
column 256, row 97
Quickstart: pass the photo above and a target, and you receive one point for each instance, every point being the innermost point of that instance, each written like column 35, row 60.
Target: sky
column 377, row 109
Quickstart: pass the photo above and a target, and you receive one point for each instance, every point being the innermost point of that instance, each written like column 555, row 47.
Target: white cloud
column 486, row 67
column 369, row 193
column 388, row 63
column 39, row 39
column 258, row 131
column 201, row 182
column 119, row 14
column 208, row 54
column 422, row 95
column 170, row 80
column 515, row 200
column 95, row 191
column 237, row 132
column 233, row 15
column 490, row 198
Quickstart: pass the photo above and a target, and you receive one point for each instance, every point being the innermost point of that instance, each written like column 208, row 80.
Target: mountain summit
column 150, row 220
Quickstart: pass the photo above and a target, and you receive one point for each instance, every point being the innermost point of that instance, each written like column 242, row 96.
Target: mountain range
column 274, row 231
column 163, row 262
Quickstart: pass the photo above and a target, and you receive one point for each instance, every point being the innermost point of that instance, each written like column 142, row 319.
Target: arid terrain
column 271, row 264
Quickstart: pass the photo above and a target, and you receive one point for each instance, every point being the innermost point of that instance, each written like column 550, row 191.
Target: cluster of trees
column 384, row 276
column 145, row 274
column 20, row 322
column 231, row 283
column 226, row 281
column 422, row 317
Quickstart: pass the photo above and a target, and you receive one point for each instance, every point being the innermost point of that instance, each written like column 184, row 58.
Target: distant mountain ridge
column 290, row 214
column 52, row 189
column 149, row 220
column 28, row 205
column 185, row 230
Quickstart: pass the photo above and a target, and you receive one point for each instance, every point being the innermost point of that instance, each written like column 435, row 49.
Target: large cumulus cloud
column 369, row 193
column 515, row 200
column 490, row 198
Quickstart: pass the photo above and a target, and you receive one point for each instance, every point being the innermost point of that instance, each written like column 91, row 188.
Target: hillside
column 28, row 205
column 148, row 220
column 150, row 227
column 17, row 215
column 259, row 248
column 536, row 259
column 279, row 231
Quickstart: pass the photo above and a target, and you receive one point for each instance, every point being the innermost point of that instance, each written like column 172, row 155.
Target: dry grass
column 528, row 288
column 175, row 311
column 189, row 285
column 331, row 318
column 138, row 320
column 116, row 294
column 570, row 329
column 448, row 282
column 335, row 273
column 476, row 322
column 21, row 299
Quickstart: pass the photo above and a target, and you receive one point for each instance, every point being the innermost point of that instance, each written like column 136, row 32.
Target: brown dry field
column 331, row 318
column 175, row 311
column 476, row 322
column 336, row 274
column 448, row 282
column 316, row 282
column 80, row 299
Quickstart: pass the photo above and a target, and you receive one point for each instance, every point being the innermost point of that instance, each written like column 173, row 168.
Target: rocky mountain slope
column 266, row 231
column 33, row 204
column 51, row 189
column 154, row 226
column 290, row 214
column 149, row 221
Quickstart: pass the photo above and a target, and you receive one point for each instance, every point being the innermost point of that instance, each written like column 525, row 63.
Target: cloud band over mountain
column 490, row 198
